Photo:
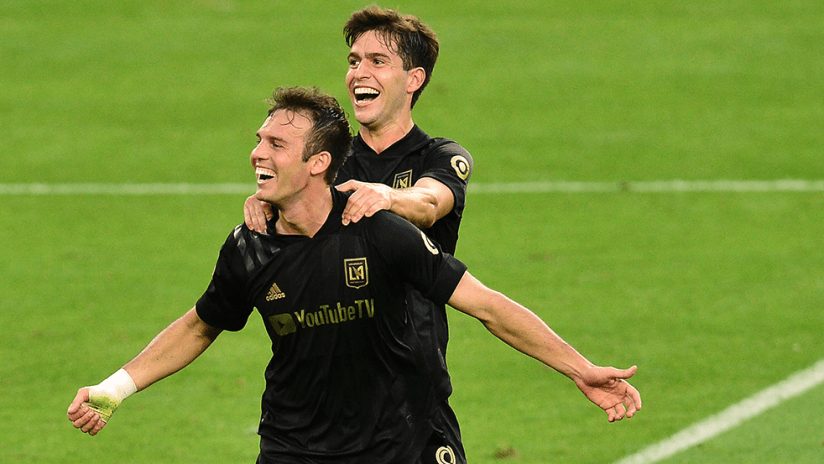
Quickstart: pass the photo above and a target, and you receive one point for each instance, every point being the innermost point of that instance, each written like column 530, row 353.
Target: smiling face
column 281, row 171
column 379, row 88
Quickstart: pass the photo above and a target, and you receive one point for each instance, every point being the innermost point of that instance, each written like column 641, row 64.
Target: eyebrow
column 270, row 137
column 370, row 55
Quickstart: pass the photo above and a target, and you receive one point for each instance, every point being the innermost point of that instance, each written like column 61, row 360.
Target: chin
column 364, row 119
column 260, row 196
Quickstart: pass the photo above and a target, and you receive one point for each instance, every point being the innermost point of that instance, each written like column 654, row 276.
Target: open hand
column 607, row 387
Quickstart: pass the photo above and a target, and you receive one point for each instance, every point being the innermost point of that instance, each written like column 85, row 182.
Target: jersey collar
column 410, row 143
column 332, row 224
column 333, row 221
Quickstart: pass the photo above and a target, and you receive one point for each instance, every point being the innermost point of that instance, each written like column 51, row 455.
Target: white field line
column 127, row 189
column 731, row 417
column 663, row 186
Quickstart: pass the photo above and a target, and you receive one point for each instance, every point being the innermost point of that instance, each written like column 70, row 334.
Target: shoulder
column 451, row 150
column 240, row 237
column 385, row 230
column 247, row 247
column 453, row 161
column 382, row 223
column 443, row 145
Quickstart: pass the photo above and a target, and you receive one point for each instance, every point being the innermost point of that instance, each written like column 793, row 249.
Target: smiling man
column 395, row 165
column 349, row 379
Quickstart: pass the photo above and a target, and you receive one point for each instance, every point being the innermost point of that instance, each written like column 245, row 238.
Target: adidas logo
column 275, row 293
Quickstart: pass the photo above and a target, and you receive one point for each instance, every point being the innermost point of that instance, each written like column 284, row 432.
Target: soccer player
column 347, row 381
column 395, row 165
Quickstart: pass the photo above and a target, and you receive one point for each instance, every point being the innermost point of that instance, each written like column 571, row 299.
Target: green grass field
column 714, row 295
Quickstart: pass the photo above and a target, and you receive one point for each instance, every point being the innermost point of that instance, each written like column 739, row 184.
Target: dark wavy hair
column 330, row 128
column 412, row 40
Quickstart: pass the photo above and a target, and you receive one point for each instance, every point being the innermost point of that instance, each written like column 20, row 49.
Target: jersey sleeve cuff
column 447, row 281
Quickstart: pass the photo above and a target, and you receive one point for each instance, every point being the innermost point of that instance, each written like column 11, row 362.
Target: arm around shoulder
column 422, row 204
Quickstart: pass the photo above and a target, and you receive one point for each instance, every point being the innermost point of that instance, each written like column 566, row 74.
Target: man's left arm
column 422, row 204
column 526, row 332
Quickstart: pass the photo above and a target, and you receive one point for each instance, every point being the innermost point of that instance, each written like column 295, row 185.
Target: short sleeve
column 224, row 305
column 449, row 163
column 415, row 258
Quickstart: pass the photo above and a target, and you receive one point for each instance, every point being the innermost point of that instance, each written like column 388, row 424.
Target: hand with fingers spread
column 607, row 387
column 366, row 199
column 256, row 213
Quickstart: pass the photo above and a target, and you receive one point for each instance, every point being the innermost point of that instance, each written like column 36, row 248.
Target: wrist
column 106, row 396
column 118, row 386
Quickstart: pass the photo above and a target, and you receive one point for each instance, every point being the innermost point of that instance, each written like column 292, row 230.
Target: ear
column 414, row 79
column 319, row 163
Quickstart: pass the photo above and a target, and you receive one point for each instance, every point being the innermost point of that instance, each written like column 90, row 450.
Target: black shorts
column 443, row 447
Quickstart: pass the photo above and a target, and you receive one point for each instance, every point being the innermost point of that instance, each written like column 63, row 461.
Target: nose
column 254, row 157
column 359, row 71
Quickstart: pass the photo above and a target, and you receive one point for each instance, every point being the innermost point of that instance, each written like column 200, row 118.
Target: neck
column 305, row 216
column 379, row 138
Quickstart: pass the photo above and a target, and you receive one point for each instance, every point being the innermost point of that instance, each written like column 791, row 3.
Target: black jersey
column 415, row 156
column 348, row 380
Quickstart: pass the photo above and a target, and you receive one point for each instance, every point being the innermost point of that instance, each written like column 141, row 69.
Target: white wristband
column 108, row 394
column 119, row 385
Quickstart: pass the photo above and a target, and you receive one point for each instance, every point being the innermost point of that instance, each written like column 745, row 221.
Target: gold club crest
column 357, row 272
column 461, row 166
column 402, row 180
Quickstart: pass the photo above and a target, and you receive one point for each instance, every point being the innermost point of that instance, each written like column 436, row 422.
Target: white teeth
column 263, row 172
column 365, row 91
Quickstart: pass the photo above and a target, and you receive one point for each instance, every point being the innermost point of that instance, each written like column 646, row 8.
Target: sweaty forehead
column 289, row 119
column 376, row 41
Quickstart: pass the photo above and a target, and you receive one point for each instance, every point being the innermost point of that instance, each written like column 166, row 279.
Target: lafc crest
column 357, row 272
column 402, row 180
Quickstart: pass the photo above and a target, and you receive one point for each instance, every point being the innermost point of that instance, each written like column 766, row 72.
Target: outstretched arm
column 173, row 349
column 526, row 332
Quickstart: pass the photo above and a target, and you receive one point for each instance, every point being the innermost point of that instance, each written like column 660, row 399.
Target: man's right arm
column 173, row 349
column 422, row 204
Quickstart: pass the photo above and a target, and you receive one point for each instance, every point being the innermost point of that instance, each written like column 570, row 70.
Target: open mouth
column 264, row 174
column 365, row 94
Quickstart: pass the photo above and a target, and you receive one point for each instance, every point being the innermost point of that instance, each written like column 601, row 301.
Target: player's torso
column 342, row 345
